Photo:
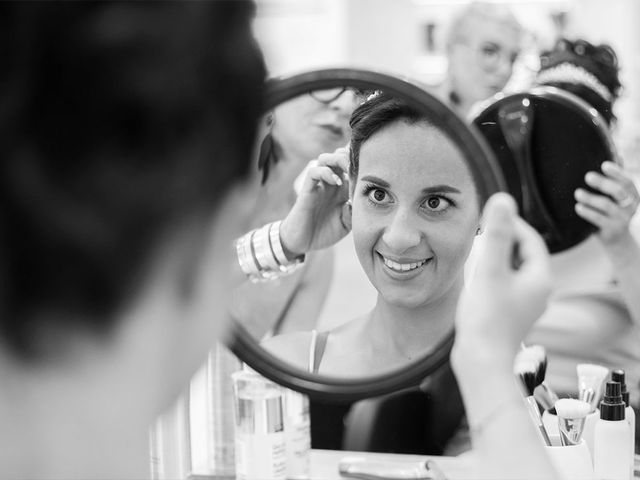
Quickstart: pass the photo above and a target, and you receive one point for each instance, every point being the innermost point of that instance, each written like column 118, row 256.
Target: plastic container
column 260, row 439
column 589, row 429
column 611, row 455
column 573, row 462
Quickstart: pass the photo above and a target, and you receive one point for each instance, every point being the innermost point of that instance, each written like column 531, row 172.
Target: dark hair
column 379, row 110
column 118, row 120
column 600, row 61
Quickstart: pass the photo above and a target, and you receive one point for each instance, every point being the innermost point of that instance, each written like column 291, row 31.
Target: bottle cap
column 612, row 407
column 618, row 376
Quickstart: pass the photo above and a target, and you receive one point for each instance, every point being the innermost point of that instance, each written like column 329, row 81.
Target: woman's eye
column 437, row 204
column 377, row 195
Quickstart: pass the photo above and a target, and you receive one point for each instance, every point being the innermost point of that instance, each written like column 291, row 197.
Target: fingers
column 322, row 174
column 533, row 251
column 499, row 233
column 338, row 160
column 600, row 203
column 615, row 171
column 594, row 216
column 611, row 186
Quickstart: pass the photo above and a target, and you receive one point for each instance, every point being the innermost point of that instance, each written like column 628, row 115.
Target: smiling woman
column 414, row 212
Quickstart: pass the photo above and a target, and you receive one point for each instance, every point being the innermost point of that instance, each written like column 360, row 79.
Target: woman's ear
column 345, row 217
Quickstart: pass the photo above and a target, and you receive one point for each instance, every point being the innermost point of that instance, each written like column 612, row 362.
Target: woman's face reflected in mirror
column 311, row 124
column 415, row 214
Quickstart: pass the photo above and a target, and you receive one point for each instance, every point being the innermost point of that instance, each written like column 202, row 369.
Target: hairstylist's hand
column 500, row 303
column 612, row 211
column 320, row 217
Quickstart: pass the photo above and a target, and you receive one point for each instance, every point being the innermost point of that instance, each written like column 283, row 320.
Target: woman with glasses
column 296, row 132
column 594, row 311
column 482, row 44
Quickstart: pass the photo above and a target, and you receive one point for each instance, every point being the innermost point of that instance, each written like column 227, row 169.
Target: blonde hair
column 478, row 11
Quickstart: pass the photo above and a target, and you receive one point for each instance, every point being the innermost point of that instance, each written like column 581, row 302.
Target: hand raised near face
column 501, row 302
column 612, row 209
column 321, row 215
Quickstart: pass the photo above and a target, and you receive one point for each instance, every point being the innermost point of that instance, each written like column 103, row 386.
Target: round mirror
column 546, row 140
column 449, row 164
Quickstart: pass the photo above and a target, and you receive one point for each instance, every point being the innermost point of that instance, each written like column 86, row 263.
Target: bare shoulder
column 290, row 347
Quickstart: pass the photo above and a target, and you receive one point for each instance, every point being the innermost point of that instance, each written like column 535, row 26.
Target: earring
column 478, row 231
column 266, row 155
column 349, row 204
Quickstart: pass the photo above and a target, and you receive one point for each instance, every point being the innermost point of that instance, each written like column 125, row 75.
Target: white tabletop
column 324, row 463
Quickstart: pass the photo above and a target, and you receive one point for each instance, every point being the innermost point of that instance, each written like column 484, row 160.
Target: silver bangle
column 276, row 244
column 261, row 256
column 245, row 257
column 263, row 251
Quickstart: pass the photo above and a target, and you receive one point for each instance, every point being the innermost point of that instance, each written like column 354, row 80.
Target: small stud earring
column 478, row 231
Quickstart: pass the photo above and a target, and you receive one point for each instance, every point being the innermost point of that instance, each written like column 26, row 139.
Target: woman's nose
column 345, row 104
column 402, row 234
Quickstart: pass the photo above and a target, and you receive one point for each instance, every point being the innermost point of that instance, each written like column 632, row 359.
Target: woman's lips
column 333, row 129
column 404, row 266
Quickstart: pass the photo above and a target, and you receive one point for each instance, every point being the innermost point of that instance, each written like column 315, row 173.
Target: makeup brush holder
column 573, row 462
column 550, row 422
column 589, row 428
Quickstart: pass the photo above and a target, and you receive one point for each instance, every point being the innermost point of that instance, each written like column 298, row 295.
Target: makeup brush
column 543, row 393
column 527, row 371
column 572, row 415
column 590, row 379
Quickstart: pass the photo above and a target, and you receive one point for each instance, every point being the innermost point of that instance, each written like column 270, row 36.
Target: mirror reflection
column 402, row 191
column 396, row 203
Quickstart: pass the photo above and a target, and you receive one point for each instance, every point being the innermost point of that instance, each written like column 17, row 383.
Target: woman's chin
column 404, row 299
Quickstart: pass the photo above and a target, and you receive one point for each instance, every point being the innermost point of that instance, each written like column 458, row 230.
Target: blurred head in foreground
column 126, row 131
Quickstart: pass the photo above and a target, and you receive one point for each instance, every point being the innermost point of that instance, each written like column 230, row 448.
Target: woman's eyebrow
column 376, row 180
column 440, row 189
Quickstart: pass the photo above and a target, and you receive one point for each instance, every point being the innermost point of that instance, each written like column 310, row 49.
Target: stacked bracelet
column 261, row 256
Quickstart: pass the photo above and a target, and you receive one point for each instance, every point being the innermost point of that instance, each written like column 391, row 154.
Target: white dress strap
column 312, row 350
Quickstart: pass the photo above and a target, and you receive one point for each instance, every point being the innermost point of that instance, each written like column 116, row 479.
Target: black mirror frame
column 485, row 171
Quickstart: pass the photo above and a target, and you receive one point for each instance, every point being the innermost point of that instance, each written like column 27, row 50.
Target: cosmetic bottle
column 611, row 437
column 260, row 439
column 629, row 415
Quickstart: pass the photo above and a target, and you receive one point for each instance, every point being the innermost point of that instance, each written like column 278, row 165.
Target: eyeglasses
column 328, row 95
column 491, row 55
